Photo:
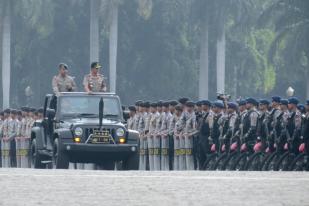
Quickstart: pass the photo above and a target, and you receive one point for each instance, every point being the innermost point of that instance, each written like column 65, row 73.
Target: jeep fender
column 133, row 137
column 38, row 134
column 64, row 135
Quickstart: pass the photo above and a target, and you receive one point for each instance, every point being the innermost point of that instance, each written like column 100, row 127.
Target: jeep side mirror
column 50, row 113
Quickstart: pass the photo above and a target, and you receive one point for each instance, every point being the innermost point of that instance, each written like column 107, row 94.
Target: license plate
column 100, row 137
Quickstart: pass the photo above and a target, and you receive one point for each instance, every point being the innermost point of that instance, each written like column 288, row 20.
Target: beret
column 173, row 103
column 206, row 102
column 13, row 111
column 232, row 105
column 276, row 99
column 178, row 108
column 190, row 104
column 160, row 103
column 165, row 104
column 264, row 102
column 137, row 103
column 218, row 104
column 147, row 104
column 293, row 100
column 252, row 100
column 284, row 102
column 199, row 103
column 7, row 111
column 183, row 100
column 153, row 104
column 132, row 108
column 242, row 102
column 301, row 107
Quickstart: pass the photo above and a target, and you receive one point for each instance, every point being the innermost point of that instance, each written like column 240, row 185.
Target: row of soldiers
column 178, row 135
column 15, row 132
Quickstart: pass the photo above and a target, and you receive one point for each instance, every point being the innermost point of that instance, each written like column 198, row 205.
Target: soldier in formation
column 15, row 133
column 179, row 135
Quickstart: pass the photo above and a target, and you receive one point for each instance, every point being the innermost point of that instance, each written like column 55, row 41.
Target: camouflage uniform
column 95, row 83
column 63, row 84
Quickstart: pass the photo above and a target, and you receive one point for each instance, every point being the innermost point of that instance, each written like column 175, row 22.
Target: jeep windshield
column 88, row 107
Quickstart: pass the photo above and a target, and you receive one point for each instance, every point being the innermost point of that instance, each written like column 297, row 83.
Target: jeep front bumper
column 81, row 152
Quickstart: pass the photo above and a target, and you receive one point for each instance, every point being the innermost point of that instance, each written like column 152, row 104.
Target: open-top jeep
column 83, row 128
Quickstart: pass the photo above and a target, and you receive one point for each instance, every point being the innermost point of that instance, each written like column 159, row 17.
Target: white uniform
column 5, row 144
column 143, row 141
column 164, row 140
column 156, row 142
column 190, row 129
column 150, row 138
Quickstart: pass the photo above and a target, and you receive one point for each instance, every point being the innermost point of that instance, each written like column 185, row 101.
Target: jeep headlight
column 78, row 131
column 120, row 132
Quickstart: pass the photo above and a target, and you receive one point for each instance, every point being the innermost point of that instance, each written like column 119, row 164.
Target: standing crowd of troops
column 15, row 133
column 249, row 134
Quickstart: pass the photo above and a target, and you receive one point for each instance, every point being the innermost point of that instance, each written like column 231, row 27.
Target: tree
column 291, row 22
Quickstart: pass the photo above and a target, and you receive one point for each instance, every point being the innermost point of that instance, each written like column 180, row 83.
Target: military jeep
column 83, row 128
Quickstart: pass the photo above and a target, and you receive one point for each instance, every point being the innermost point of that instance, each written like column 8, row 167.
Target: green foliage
column 258, row 43
column 159, row 43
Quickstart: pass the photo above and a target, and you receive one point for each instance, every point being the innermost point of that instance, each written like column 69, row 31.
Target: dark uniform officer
column 231, row 125
column 294, row 124
column 250, row 122
column 204, row 133
column 305, row 130
column 272, row 120
column 214, row 125
column 262, row 128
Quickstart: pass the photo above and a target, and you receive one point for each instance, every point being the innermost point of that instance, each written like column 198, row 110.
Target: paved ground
column 82, row 187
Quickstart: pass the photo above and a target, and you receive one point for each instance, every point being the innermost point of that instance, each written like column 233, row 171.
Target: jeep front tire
column 60, row 160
